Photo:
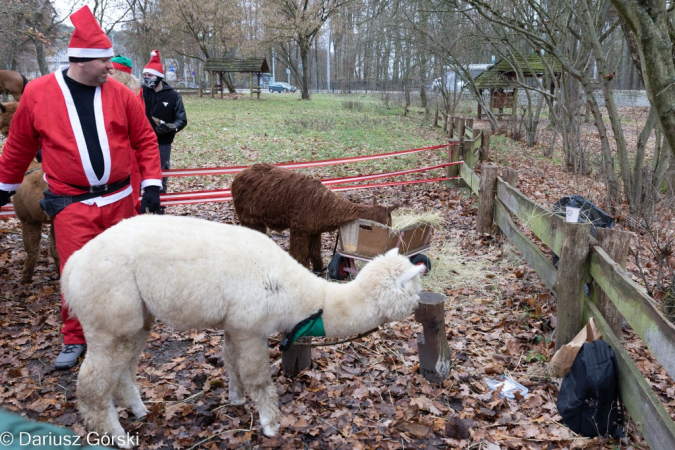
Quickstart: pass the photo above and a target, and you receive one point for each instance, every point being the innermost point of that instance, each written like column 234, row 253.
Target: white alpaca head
column 394, row 283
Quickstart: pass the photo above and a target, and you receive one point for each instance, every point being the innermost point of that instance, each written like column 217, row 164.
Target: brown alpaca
column 12, row 82
column 7, row 111
column 26, row 203
column 266, row 196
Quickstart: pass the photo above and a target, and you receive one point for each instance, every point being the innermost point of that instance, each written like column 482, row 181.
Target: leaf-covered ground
column 366, row 393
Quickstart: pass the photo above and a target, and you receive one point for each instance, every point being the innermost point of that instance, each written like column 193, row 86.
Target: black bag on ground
column 589, row 395
column 589, row 212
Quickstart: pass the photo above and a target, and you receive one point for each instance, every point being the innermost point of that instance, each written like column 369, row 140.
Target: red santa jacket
column 46, row 118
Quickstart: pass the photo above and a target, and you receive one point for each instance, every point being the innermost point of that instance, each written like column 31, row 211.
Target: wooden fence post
column 460, row 125
column 432, row 344
column 468, row 123
column 569, row 283
column 297, row 358
column 510, row 176
column 453, row 156
column 449, row 124
column 616, row 244
column 486, row 198
column 485, row 146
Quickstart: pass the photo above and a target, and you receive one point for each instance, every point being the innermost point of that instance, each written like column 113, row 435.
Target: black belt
column 111, row 187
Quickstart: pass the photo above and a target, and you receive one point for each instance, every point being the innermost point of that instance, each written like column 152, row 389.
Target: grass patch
column 279, row 128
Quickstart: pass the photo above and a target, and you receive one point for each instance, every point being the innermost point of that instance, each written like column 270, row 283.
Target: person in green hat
column 122, row 72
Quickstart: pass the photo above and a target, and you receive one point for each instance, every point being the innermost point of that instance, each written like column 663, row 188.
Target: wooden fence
column 586, row 264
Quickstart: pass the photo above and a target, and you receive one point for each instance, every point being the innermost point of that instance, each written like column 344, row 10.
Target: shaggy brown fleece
column 12, row 82
column 7, row 111
column 266, row 196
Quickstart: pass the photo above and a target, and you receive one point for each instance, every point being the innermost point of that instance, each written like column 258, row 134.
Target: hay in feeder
column 405, row 218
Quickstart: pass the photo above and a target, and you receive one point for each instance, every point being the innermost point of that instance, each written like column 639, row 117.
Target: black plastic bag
column 589, row 212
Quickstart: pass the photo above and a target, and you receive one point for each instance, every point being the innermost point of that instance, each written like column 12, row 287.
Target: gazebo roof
column 501, row 74
column 252, row 65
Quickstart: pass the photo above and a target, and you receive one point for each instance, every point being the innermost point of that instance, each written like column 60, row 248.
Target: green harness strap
column 311, row 326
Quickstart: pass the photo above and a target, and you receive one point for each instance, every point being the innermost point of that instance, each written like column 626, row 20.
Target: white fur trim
column 153, row 53
column 102, row 136
column 91, row 52
column 102, row 201
column 9, row 187
column 154, row 72
column 151, row 182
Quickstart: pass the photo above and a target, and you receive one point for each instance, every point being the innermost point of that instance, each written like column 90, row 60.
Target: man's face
column 149, row 80
column 95, row 72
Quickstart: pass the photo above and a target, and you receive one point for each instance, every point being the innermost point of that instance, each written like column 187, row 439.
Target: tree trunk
column 649, row 22
column 304, row 52
column 41, row 58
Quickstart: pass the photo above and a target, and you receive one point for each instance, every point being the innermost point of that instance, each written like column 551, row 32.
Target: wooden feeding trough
column 362, row 240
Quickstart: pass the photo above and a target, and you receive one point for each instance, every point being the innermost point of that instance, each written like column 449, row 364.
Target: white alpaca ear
column 392, row 252
column 410, row 274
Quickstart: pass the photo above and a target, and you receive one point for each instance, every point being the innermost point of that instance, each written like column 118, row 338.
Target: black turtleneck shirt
column 83, row 97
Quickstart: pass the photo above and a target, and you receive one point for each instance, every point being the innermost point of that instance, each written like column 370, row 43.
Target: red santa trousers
column 75, row 226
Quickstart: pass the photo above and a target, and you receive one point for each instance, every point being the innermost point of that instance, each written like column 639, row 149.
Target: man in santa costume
column 87, row 127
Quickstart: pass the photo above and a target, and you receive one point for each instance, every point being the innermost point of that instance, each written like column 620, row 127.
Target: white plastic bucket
column 572, row 214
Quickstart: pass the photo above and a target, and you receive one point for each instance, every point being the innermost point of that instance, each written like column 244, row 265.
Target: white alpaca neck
column 347, row 311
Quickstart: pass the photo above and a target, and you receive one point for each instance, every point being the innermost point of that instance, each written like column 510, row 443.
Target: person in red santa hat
column 164, row 109
column 87, row 127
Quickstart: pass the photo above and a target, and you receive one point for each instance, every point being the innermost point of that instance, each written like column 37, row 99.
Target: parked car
column 281, row 86
column 187, row 84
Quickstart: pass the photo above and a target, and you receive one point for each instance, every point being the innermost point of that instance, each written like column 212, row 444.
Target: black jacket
column 166, row 105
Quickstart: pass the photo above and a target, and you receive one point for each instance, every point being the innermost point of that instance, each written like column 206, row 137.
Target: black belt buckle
column 98, row 189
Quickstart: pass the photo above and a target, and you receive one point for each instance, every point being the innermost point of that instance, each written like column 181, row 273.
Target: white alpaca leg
column 254, row 372
column 237, row 395
column 98, row 381
column 127, row 391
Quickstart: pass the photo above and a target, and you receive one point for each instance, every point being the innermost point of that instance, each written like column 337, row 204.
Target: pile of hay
column 404, row 218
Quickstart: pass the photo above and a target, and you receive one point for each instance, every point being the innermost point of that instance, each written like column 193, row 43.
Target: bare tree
column 299, row 21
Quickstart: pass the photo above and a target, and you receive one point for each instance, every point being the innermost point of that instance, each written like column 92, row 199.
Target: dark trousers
column 165, row 160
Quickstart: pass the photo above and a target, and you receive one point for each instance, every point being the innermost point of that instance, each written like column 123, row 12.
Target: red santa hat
column 88, row 40
column 154, row 66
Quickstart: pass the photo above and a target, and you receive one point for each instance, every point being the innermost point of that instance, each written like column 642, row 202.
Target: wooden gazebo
column 220, row 66
column 500, row 80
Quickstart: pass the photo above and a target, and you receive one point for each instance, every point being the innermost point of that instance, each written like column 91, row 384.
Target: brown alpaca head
column 382, row 214
column 7, row 111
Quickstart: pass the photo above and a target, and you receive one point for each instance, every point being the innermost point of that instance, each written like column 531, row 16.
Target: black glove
column 4, row 197
column 150, row 201
column 166, row 128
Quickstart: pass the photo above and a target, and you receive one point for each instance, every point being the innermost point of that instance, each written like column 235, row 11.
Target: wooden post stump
column 569, row 283
column 297, row 358
column 486, row 198
column 510, row 176
column 485, row 146
column 432, row 345
column 617, row 244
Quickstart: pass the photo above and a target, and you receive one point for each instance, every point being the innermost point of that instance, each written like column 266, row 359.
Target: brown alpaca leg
column 231, row 359
column 54, row 252
column 254, row 371
column 257, row 226
column 299, row 248
column 32, row 233
column 315, row 252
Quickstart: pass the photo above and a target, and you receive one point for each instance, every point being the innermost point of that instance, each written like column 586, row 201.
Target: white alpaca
column 192, row 273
